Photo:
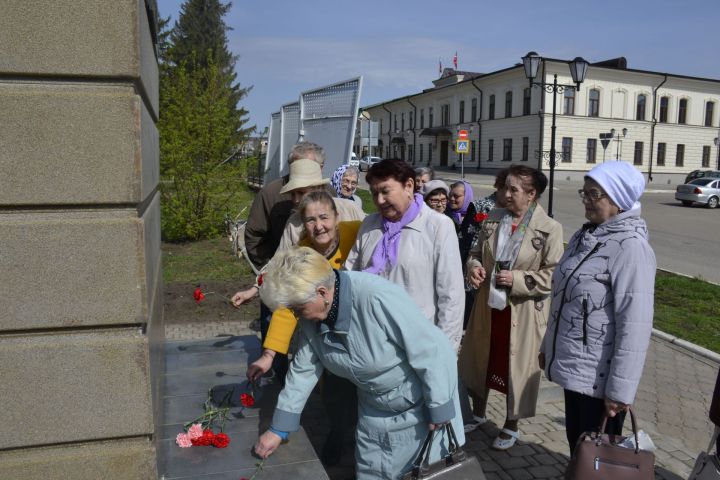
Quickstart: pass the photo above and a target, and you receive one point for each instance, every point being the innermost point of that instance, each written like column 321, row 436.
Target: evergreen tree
column 201, row 123
column 201, row 32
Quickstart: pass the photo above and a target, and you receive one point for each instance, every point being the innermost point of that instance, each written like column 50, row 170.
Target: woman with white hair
column 345, row 181
column 365, row 329
column 602, row 304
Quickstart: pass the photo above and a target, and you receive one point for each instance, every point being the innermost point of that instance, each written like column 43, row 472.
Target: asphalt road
column 685, row 239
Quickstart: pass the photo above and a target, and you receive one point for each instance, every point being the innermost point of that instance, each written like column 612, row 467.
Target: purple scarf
column 457, row 215
column 386, row 252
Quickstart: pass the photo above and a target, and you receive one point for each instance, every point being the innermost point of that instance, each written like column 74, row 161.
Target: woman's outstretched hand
column 267, row 444
column 260, row 366
column 243, row 296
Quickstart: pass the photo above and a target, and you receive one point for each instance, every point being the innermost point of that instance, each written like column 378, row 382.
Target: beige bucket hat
column 304, row 173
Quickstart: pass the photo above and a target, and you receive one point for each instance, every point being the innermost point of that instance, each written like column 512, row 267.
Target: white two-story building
column 671, row 122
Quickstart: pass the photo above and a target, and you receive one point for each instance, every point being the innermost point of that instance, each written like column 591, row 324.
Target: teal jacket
column 383, row 343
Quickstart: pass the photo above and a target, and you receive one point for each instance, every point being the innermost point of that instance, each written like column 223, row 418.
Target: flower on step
column 247, row 399
column 220, row 440
column 205, row 439
column 183, row 440
column 195, row 431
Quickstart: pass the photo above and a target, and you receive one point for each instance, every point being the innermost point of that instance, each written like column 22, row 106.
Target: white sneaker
column 475, row 423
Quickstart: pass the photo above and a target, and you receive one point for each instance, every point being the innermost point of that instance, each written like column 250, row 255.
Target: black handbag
column 455, row 465
column 598, row 456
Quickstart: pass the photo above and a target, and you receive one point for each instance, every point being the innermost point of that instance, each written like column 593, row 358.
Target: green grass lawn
column 368, row 204
column 203, row 261
column 688, row 308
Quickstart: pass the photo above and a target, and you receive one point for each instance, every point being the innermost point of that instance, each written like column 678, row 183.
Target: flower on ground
column 205, row 439
column 220, row 440
column 195, row 431
column 480, row 217
column 183, row 440
column 247, row 400
column 198, row 295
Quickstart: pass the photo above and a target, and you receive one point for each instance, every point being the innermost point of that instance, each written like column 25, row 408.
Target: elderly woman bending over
column 602, row 304
column 365, row 329
column 512, row 264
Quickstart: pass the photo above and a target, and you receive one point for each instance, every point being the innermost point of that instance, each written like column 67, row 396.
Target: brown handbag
column 598, row 457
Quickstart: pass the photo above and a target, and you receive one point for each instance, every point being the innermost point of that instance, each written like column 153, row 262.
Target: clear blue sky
column 286, row 46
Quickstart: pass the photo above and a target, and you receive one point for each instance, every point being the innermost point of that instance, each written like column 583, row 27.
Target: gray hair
column 420, row 171
column 309, row 150
column 293, row 276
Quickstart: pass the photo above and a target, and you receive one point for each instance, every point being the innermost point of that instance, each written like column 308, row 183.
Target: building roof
column 619, row 63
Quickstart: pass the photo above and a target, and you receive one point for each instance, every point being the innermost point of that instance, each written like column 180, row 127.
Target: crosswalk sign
column 462, row 146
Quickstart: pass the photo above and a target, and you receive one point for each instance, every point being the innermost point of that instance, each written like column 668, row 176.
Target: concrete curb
column 691, row 347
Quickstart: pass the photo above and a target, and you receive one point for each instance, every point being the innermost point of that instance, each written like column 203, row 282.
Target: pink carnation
column 183, row 440
column 195, row 431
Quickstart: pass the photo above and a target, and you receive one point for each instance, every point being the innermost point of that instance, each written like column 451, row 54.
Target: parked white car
column 701, row 190
column 367, row 162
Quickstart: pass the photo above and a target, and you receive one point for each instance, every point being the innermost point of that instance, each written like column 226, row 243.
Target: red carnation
column 220, row 440
column 204, row 440
column 247, row 400
column 260, row 279
column 480, row 217
column 198, row 295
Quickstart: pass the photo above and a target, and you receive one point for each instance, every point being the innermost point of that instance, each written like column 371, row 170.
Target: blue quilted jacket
column 602, row 309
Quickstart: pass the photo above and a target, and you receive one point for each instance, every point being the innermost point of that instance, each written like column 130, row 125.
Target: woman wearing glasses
column 345, row 181
column 369, row 331
column 602, row 304
column 435, row 194
column 511, row 264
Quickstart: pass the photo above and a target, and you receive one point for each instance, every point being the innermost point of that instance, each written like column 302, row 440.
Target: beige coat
column 529, row 301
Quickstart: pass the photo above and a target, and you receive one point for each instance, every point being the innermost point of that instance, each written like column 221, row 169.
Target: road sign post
column 605, row 141
column 462, row 146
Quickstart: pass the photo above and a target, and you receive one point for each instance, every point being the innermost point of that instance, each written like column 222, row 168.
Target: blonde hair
column 293, row 276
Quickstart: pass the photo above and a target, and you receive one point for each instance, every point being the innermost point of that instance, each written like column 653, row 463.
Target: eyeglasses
column 436, row 202
column 349, row 182
column 592, row 195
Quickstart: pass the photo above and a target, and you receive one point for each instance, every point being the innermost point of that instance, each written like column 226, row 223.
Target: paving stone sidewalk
column 672, row 404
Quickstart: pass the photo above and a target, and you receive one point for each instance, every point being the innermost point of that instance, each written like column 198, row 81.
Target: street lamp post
column 717, row 144
column 619, row 140
column 578, row 70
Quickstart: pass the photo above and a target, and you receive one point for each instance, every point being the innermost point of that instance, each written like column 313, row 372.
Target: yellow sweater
column 283, row 322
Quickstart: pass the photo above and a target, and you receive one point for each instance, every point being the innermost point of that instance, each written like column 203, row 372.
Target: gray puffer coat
column 602, row 310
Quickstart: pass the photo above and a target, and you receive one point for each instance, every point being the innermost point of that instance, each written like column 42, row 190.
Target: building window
column 508, row 104
column 507, row 149
column 412, row 120
column 462, row 112
column 526, row 101
column 591, row 150
column 662, row 147
column 445, row 114
column 472, row 150
column 709, row 110
column 640, row 108
column 680, row 155
column 706, row 156
column 420, row 154
column 430, row 117
column 410, row 154
column 664, row 102
column 567, row 149
column 525, row 149
column 491, row 148
column 381, row 130
column 682, row 110
column 473, row 110
column 569, row 101
column 395, row 122
column 594, row 103
column 422, row 118
column 637, row 159
column 402, row 121
column 491, row 108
